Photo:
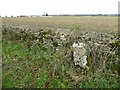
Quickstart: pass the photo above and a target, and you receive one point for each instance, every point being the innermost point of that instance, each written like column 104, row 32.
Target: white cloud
column 37, row 7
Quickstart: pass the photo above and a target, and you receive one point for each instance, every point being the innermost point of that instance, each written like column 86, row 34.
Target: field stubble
column 103, row 24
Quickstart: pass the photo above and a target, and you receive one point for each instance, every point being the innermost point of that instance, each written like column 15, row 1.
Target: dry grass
column 85, row 23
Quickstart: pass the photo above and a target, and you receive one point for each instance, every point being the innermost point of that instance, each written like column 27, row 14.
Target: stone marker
column 79, row 54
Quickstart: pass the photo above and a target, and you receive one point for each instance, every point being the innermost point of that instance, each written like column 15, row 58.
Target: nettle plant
column 76, row 27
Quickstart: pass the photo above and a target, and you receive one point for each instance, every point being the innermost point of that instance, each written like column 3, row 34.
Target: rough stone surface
column 79, row 54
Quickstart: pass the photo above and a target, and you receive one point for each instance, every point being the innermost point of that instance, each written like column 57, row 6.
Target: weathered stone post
column 79, row 54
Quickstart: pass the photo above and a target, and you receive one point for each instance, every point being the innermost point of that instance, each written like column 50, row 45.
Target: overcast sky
column 38, row 7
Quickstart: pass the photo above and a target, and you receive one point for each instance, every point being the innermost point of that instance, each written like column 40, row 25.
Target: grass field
column 28, row 62
column 95, row 23
column 22, row 68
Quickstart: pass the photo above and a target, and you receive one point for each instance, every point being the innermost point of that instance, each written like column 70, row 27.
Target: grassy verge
column 31, row 68
column 39, row 67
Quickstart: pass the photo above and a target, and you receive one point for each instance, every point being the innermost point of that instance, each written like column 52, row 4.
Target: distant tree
column 45, row 14
column 22, row 16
